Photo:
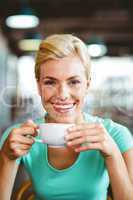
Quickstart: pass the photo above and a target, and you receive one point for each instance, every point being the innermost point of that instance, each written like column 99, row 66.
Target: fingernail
column 29, row 136
column 69, row 143
column 70, row 129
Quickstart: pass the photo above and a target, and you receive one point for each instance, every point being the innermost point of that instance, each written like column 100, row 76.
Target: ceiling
column 112, row 20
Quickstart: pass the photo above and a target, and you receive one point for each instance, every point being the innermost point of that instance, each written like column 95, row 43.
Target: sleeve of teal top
column 121, row 135
column 5, row 135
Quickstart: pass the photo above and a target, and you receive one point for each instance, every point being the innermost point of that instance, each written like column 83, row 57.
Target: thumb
column 30, row 123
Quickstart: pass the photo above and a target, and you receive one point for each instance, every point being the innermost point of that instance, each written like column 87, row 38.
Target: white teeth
column 64, row 106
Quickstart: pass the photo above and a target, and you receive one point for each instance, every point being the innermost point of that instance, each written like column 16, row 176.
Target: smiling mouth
column 64, row 108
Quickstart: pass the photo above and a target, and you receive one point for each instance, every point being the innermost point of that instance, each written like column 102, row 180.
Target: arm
column 15, row 146
column 8, row 171
column 120, row 169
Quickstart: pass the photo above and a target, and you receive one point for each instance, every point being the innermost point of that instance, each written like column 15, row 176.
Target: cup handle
column 35, row 139
column 38, row 140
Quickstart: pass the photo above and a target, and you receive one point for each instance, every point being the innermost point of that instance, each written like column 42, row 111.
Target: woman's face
column 62, row 87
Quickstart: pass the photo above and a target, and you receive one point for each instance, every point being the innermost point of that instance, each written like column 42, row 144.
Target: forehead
column 64, row 67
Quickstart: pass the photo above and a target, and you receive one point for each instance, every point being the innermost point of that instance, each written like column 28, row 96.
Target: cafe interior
column 107, row 29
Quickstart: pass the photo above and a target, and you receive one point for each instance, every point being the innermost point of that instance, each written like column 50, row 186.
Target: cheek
column 79, row 99
column 81, row 92
column 46, row 94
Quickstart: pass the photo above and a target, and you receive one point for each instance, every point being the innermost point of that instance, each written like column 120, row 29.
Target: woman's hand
column 19, row 140
column 91, row 137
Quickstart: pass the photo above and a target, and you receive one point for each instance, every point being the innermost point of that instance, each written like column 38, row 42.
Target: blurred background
column 107, row 29
column 106, row 26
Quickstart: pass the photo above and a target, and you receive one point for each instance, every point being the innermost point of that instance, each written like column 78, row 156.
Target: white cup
column 53, row 134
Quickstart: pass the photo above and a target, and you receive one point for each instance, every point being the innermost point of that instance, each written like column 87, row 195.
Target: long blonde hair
column 58, row 46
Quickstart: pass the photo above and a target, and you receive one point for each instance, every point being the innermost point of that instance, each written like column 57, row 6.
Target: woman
column 98, row 151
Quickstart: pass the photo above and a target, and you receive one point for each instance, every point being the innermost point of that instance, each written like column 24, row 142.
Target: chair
column 25, row 191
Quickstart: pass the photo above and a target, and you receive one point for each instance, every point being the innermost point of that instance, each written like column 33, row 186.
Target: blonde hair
column 59, row 46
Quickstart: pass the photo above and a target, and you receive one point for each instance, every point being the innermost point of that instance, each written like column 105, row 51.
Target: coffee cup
column 53, row 134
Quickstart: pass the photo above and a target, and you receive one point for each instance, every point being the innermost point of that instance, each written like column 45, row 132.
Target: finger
column 83, row 133
column 89, row 146
column 80, row 127
column 25, row 140
column 83, row 127
column 16, row 145
column 26, row 131
column 29, row 122
column 24, row 146
column 76, row 142
column 86, row 139
column 20, row 152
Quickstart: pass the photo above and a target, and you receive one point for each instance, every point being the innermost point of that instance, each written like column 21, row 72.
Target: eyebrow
column 52, row 78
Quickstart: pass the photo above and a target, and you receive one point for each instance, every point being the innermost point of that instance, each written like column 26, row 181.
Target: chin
column 62, row 118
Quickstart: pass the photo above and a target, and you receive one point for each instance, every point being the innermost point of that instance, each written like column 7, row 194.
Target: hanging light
column 24, row 19
column 30, row 42
column 96, row 47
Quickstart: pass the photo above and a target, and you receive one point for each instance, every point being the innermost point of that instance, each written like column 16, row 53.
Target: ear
column 39, row 88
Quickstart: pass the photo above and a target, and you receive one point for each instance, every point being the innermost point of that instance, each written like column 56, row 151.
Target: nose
column 63, row 92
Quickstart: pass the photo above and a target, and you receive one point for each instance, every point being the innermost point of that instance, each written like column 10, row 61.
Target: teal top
column 86, row 179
